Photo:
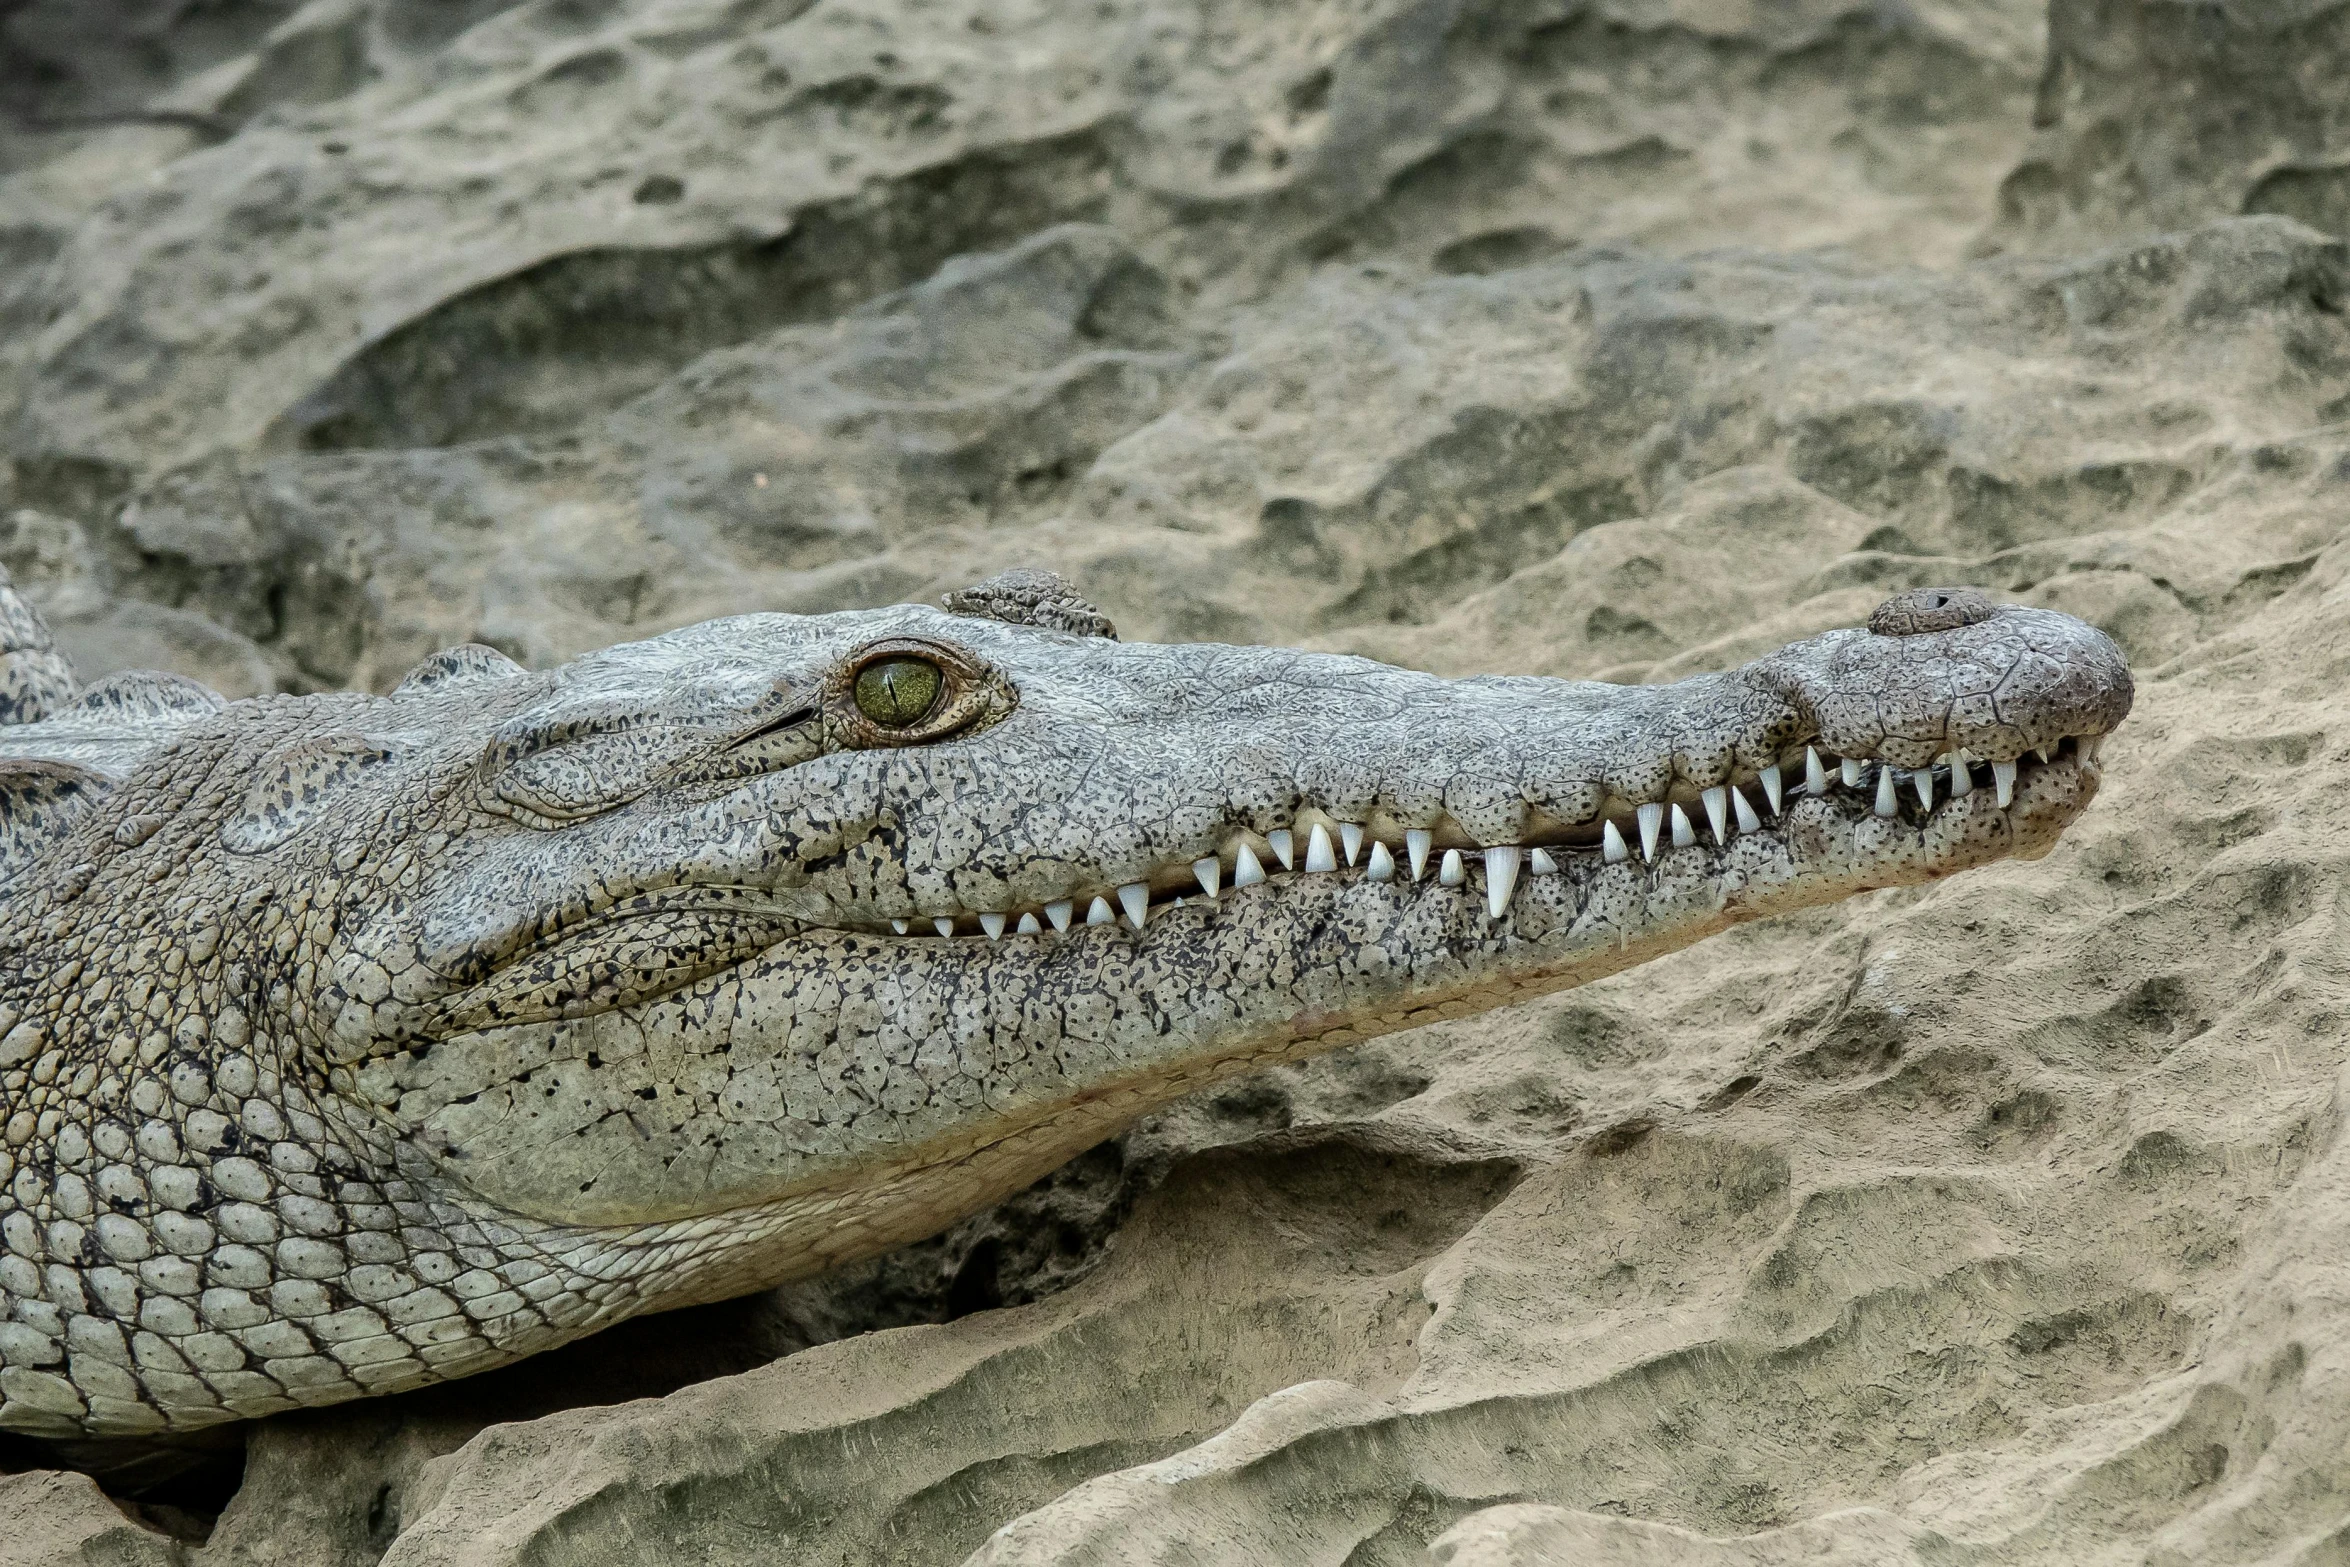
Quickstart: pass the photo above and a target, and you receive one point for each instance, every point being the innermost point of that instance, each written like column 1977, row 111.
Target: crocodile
column 354, row 1042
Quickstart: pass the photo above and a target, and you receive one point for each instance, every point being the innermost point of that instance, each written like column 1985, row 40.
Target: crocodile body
column 350, row 1042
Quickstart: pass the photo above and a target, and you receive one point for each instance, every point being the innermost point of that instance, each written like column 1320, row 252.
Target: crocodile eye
column 906, row 691
column 898, row 693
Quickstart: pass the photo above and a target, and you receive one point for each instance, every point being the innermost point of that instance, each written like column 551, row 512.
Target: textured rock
column 1994, row 1221
column 61, row 1520
column 2158, row 117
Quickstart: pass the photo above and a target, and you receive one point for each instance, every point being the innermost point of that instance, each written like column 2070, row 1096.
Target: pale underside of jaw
column 1316, row 844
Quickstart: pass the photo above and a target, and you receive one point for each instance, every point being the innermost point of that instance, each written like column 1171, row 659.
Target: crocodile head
column 723, row 957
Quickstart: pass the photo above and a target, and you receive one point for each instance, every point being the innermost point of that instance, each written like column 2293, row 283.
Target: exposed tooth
column 1924, row 779
column 1815, row 777
column 1318, row 853
column 1652, row 821
column 2090, row 749
column 1540, row 863
column 2041, row 752
column 993, row 924
column 1208, row 871
column 943, row 925
column 1451, row 873
column 1852, row 772
column 1417, row 841
column 1683, row 834
column 1059, row 913
column 1771, row 787
column 1888, row 803
column 1247, row 870
column 1717, row 812
column 1350, row 840
column 1135, row 899
column 2003, row 780
column 1747, row 820
column 1962, row 773
column 1382, row 866
column 1501, row 879
column 1028, row 926
column 1284, row 848
column 900, row 926
column 1098, row 912
column 1611, row 844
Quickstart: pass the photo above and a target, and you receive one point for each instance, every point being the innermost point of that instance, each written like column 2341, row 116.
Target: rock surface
column 1997, row 1221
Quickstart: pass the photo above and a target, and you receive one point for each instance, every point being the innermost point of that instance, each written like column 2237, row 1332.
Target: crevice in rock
column 580, row 334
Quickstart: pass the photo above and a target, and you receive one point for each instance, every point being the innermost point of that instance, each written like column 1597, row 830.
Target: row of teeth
column 1657, row 824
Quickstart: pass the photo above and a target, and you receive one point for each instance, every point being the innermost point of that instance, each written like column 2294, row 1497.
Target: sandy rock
column 64, row 1520
column 1362, row 454
column 1520, row 1534
column 2147, row 122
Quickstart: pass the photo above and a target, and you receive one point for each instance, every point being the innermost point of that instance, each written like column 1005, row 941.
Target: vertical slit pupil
column 898, row 692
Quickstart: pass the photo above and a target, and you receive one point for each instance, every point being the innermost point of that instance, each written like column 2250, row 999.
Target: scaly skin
column 350, row 1043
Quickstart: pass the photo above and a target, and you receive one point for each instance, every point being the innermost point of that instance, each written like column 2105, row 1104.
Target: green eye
column 898, row 693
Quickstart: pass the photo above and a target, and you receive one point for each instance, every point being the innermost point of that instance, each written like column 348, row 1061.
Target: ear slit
column 291, row 789
column 790, row 720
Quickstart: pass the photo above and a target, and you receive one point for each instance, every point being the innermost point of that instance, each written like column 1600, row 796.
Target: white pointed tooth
column 900, row 926
column 1319, row 855
column 1417, row 841
column 1059, row 913
column 2003, row 781
column 1209, row 871
column 1501, row 879
column 1611, row 844
column 943, row 925
column 1247, row 869
column 1747, row 820
column 1284, row 848
column 1135, row 899
column 1815, row 777
column 1350, row 840
column 2041, row 752
column 993, row 924
column 1098, row 912
column 1683, row 834
column 1028, row 926
column 1772, row 789
column 1382, row 866
column 1652, row 822
column 1540, row 863
column 2091, row 749
column 1924, row 779
column 1717, row 812
column 1887, row 801
column 1451, row 873
column 1962, row 774
column 1852, row 772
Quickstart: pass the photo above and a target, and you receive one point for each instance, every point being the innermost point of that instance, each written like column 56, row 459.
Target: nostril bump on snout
column 1931, row 609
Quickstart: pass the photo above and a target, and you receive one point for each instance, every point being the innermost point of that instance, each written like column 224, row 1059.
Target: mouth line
column 1652, row 841
column 1641, row 835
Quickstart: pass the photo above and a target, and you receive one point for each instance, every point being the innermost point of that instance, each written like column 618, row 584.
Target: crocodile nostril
column 1931, row 609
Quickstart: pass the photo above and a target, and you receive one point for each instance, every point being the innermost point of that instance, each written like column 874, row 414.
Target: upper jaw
column 1845, row 821
column 1132, row 775
column 1492, row 771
